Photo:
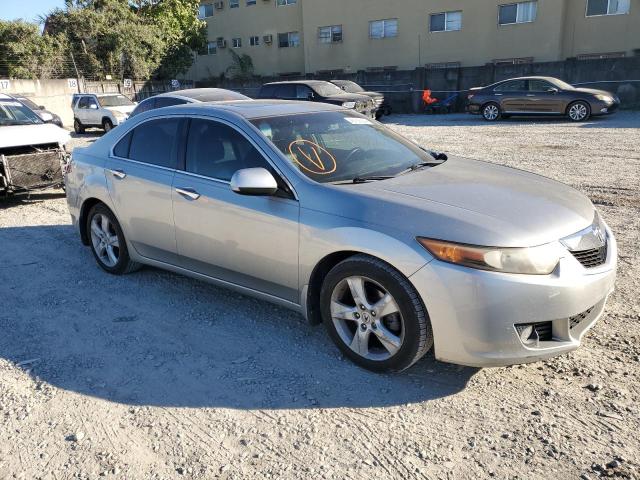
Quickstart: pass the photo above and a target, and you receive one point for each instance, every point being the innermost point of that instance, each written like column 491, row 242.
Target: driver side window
column 539, row 86
column 217, row 151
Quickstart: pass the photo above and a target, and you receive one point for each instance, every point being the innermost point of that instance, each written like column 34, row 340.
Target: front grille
column 544, row 331
column 576, row 319
column 592, row 257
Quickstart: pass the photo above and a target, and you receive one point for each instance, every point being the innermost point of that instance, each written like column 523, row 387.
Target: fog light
column 525, row 333
column 604, row 110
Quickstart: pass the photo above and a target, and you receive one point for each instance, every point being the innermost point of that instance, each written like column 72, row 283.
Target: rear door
column 82, row 110
column 542, row 98
column 140, row 173
column 250, row 241
column 511, row 95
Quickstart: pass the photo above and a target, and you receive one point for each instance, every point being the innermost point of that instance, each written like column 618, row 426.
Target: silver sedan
column 395, row 248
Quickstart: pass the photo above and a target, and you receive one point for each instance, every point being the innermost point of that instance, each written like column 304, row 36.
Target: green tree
column 241, row 67
column 25, row 53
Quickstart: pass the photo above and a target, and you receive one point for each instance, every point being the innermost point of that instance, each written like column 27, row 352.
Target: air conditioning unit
column 221, row 42
column 267, row 39
column 219, row 5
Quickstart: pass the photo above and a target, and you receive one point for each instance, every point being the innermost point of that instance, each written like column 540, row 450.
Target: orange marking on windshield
column 315, row 159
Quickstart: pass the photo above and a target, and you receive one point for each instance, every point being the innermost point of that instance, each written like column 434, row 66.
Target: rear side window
column 156, row 142
column 286, row 91
column 267, row 91
column 122, row 147
column 144, row 106
column 168, row 102
column 217, row 151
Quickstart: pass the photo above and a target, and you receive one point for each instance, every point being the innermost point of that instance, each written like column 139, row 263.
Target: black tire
column 581, row 106
column 77, row 126
column 124, row 264
column 491, row 112
column 107, row 125
column 418, row 336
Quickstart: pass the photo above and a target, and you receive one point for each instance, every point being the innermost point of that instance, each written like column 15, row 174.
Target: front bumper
column 474, row 313
column 599, row 107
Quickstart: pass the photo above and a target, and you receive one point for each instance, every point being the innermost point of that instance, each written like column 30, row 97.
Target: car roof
column 4, row 96
column 301, row 82
column 202, row 94
column 535, row 77
column 251, row 109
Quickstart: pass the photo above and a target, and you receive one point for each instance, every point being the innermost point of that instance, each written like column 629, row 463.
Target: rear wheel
column 374, row 315
column 77, row 126
column 108, row 244
column 107, row 125
column 579, row 111
column 491, row 112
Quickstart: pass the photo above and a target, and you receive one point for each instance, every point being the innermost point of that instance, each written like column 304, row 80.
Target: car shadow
column 618, row 120
column 23, row 198
column 155, row 338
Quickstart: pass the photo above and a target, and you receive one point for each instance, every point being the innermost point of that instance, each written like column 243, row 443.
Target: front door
column 543, row 97
column 139, row 175
column 250, row 241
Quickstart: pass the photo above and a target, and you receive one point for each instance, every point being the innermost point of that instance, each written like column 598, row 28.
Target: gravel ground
column 153, row 375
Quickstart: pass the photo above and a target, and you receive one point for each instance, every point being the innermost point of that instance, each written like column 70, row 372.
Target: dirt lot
column 153, row 375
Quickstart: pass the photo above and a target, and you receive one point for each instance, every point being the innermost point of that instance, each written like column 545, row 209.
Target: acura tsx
column 397, row 249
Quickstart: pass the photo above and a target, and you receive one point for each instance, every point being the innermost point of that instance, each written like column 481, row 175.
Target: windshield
column 338, row 146
column 326, row 89
column 15, row 113
column 560, row 84
column 114, row 101
column 348, row 86
column 29, row 103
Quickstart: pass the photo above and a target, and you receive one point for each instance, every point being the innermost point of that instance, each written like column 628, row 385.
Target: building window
column 234, row 3
column 607, row 7
column 251, row 2
column 205, row 10
column 236, row 42
column 211, row 49
column 331, row 34
column 254, row 41
column 383, row 28
column 283, row 3
column 289, row 39
column 523, row 12
column 446, row 22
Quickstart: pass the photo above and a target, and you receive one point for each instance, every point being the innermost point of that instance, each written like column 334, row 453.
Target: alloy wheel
column 578, row 112
column 491, row 112
column 105, row 240
column 367, row 318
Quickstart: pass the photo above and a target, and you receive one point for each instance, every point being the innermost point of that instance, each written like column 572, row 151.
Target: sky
column 27, row 9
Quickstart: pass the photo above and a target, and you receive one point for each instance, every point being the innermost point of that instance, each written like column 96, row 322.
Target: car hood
column 349, row 97
column 122, row 109
column 24, row 135
column 474, row 202
column 594, row 91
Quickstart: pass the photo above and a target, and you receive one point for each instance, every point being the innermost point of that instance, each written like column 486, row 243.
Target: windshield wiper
column 371, row 178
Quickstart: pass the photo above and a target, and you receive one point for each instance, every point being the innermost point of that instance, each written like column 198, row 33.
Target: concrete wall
column 54, row 95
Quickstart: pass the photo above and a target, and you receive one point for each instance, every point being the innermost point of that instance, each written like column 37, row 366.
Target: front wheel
column 77, row 126
column 374, row 315
column 491, row 112
column 108, row 244
column 579, row 111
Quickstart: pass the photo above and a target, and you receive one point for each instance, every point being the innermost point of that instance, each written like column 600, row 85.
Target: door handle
column 118, row 173
column 530, row 95
column 189, row 193
column 498, row 94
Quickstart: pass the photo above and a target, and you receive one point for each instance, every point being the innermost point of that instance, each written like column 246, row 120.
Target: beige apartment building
column 310, row 36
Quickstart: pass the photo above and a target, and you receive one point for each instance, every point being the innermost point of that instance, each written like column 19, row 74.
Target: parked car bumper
column 473, row 108
column 599, row 107
column 476, row 315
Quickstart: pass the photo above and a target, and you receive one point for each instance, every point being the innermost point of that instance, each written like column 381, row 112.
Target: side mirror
column 254, row 181
column 310, row 96
column 93, row 106
column 41, row 107
column 552, row 90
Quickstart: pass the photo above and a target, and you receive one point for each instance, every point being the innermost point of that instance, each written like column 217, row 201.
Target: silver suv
column 102, row 110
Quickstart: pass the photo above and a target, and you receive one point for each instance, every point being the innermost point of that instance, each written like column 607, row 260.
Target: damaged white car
column 32, row 153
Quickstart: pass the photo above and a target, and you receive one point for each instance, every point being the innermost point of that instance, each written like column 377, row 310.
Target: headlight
column 604, row 98
column 349, row 104
column 541, row 260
